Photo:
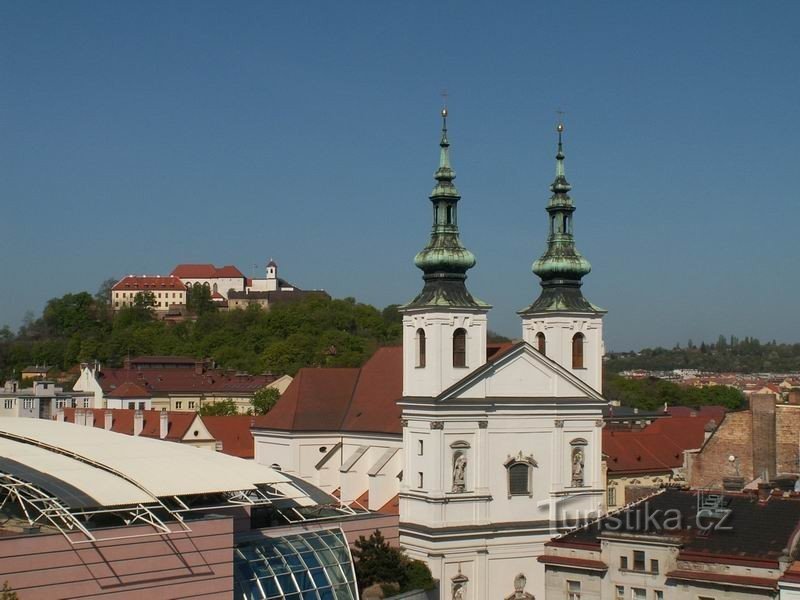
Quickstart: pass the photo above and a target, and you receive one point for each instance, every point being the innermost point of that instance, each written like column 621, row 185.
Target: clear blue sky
column 134, row 136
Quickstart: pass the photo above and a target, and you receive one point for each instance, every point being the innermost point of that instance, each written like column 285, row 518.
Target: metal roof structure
column 64, row 475
column 314, row 565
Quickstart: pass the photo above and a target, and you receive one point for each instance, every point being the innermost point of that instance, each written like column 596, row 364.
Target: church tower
column 562, row 323
column 444, row 327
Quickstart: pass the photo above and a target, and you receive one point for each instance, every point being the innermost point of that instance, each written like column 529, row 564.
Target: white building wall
column 559, row 329
column 439, row 373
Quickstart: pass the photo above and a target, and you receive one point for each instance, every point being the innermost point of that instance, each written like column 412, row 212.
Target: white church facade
column 488, row 451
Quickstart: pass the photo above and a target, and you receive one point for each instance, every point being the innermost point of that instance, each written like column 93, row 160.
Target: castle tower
column 272, row 276
column 562, row 323
column 444, row 327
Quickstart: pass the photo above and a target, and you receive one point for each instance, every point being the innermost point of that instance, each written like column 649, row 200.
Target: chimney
column 164, row 424
column 762, row 407
column 109, row 420
column 138, row 422
column 198, row 367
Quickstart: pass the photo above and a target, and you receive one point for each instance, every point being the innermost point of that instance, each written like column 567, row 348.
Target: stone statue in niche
column 459, row 472
column 577, row 466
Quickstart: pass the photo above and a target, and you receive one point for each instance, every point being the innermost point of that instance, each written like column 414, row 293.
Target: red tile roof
column 205, row 271
column 176, row 380
column 122, row 421
column 234, row 433
column 353, row 400
column 129, row 390
column 145, row 282
column 657, row 447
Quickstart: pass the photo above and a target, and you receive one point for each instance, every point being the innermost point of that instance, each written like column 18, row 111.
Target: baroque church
column 484, row 452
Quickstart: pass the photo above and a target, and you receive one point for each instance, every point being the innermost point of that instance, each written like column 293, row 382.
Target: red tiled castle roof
column 205, row 271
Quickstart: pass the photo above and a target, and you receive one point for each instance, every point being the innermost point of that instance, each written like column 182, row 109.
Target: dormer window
column 460, row 348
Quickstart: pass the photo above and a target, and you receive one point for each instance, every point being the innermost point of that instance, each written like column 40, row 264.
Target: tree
column 264, row 399
column 198, row 299
column 6, row 593
column 224, row 408
column 103, row 295
column 379, row 562
column 144, row 300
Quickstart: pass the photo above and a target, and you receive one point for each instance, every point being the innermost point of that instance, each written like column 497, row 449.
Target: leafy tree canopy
column 379, row 562
column 223, row 408
column 313, row 332
column 264, row 400
column 652, row 393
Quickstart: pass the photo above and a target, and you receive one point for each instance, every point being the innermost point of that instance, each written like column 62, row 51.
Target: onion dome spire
column 561, row 267
column 445, row 261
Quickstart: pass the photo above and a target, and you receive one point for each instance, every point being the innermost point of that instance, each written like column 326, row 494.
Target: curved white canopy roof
column 116, row 469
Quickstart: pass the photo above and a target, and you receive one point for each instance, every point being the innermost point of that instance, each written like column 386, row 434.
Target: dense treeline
column 314, row 332
column 652, row 393
column 747, row 355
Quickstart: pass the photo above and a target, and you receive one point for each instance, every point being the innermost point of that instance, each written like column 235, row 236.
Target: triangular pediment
column 521, row 373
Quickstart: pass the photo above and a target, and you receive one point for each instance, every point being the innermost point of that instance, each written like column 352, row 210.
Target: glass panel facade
column 303, row 566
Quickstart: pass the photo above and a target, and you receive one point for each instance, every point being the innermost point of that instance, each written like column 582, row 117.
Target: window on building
column 541, row 343
column 658, row 594
column 577, row 351
column 191, row 404
column 611, row 496
column 8, row 403
column 178, row 405
column 131, row 405
column 141, row 405
column 460, row 348
column 638, row 594
column 449, row 215
column 638, row 560
column 420, row 480
column 654, row 566
column 623, row 562
column 620, row 591
column 519, row 479
column 27, row 403
column 420, row 447
column 420, row 347
column 573, row 590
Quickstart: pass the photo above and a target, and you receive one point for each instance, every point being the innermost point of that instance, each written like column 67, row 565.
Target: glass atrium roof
column 303, row 566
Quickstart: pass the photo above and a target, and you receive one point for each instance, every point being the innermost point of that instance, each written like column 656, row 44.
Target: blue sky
column 135, row 136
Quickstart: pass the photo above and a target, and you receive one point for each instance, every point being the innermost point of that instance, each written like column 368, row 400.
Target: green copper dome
column 561, row 268
column 445, row 261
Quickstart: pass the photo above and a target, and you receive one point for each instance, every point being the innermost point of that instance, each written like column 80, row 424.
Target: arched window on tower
column 449, row 215
column 420, row 347
column 541, row 343
column 577, row 351
column 460, row 348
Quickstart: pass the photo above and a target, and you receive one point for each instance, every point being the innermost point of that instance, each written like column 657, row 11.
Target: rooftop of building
column 206, row 271
column 733, row 528
column 656, row 447
column 148, row 282
column 166, row 378
column 84, row 477
column 347, row 399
